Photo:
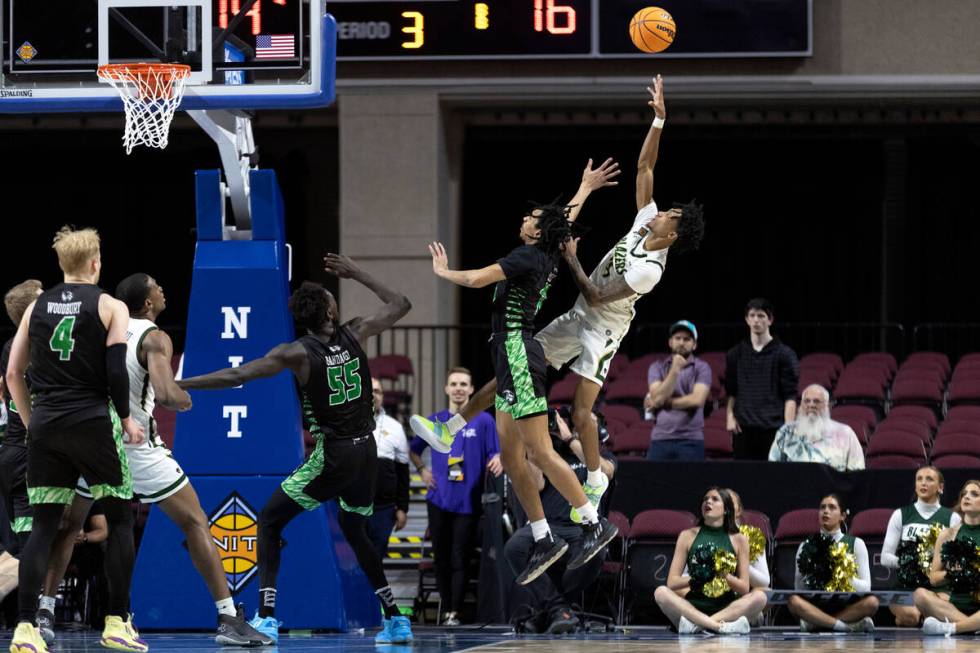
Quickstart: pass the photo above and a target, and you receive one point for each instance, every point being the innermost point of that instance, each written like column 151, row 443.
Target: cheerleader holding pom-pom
column 717, row 596
column 833, row 562
column 956, row 569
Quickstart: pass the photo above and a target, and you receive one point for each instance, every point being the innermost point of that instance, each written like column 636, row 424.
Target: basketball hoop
column 150, row 93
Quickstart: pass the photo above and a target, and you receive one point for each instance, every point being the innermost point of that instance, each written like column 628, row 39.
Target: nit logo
column 235, row 530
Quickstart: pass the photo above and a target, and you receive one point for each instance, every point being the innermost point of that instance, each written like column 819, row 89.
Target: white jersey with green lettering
column 141, row 396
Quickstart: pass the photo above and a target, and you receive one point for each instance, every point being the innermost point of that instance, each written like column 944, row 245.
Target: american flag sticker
column 275, row 46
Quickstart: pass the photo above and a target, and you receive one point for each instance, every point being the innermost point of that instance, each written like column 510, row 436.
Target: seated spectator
column 679, row 386
column 850, row 614
column 731, row 611
column 960, row 613
column 907, row 524
column 815, row 438
column 553, row 593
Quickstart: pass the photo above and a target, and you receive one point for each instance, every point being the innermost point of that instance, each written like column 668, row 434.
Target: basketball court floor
column 499, row 640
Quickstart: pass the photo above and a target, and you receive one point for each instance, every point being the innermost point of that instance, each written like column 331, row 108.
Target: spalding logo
column 235, row 530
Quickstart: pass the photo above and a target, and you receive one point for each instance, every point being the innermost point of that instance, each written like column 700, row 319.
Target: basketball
column 652, row 29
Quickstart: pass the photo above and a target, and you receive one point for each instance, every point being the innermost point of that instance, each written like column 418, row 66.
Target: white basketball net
column 150, row 95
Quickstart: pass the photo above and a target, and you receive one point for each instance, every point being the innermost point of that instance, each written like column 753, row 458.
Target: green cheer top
column 966, row 603
column 717, row 537
column 914, row 524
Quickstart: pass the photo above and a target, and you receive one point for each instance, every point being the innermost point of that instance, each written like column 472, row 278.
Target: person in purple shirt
column 679, row 386
column 455, row 482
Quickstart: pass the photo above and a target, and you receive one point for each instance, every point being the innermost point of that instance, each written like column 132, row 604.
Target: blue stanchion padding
column 320, row 584
column 236, row 445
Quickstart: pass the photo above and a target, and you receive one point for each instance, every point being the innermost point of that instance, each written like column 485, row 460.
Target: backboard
column 244, row 54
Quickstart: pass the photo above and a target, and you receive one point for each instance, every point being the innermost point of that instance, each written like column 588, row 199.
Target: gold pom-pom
column 927, row 546
column 843, row 569
column 725, row 563
column 757, row 541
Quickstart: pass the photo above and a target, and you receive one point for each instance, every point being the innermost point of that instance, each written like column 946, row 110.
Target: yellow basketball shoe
column 593, row 494
column 122, row 636
column 27, row 639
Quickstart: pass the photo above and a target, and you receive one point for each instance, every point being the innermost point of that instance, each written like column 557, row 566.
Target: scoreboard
column 584, row 29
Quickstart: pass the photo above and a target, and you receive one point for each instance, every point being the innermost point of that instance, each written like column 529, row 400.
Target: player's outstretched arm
column 651, row 145
column 593, row 180
column 616, row 289
column 290, row 356
column 158, row 350
column 466, row 278
column 396, row 305
column 17, row 366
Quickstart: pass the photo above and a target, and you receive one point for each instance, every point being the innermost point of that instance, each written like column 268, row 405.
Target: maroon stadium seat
column 618, row 364
column 717, row 443
column 761, row 521
column 879, row 358
column 936, row 358
column 793, row 527
column 660, row 524
column 924, row 413
column 964, row 391
column 860, row 389
column 958, row 425
column 864, row 371
column 628, row 388
column 896, row 443
column 871, row 524
column 911, row 425
column 641, row 366
column 859, row 427
column 635, row 440
column 852, row 411
column 628, row 415
column 621, row 521
column 964, row 412
column 956, row 444
column 894, row 462
column 824, row 359
column 915, row 391
column 956, row 461
column 563, row 391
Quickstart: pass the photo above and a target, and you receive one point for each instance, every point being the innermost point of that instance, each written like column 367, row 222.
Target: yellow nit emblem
column 234, row 529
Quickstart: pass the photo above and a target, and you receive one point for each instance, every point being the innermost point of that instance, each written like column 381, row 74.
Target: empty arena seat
column 894, row 462
column 563, row 390
column 964, row 412
column 870, row 525
column 964, row 391
column 619, row 364
column 896, row 443
column 628, row 388
column 958, row 444
column 956, row 461
column 923, row 413
column 915, row 426
column 855, row 411
column 859, row 388
column 867, row 371
column 877, row 358
column 717, row 443
column 634, row 441
column 917, row 391
column 628, row 415
column 958, row 425
column 793, row 527
column 660, row 525
column 823, row 359
column 808, row 377
column 641, row 366
column 650, row 548
column 933, row 358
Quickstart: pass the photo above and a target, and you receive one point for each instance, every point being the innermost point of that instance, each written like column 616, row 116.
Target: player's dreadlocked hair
column 554, row 225
column 690, row 227
column 308, row 304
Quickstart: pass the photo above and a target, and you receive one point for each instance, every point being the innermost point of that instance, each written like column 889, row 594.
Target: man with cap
column 679, row 386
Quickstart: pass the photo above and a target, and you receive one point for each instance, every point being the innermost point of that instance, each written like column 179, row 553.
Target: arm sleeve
column 893, row 535
column 401, row 485
column 797, row 576
column 776, row 450
column 759, row 572
column 401, row 443
column 521, row 260
column 702, row 373
column 643, row 276
column 118, row 377
column 855, row 457
column 789, row 375
column 954, row 520
column 731, row 372
column 656, row 372
column 863, row 581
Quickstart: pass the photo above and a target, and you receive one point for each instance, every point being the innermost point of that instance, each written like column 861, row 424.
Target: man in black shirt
column 74, row 338
column 331, row 367
column 761, row 379
column 13, row 453
column 555, row 593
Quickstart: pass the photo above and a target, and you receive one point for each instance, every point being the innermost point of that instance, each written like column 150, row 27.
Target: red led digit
column 545, row 13
column 255, row 13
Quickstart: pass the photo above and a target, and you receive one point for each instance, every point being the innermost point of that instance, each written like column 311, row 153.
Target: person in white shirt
column 815, row 438
column 854, row 615
column 908, row 522
column 759, row 567
column 391, row 487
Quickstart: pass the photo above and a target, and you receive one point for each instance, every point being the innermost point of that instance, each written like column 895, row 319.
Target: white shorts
column 569, row 336
column 156, row 475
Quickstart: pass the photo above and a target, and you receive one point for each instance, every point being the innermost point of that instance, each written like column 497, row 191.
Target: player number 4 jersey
column 627, row 260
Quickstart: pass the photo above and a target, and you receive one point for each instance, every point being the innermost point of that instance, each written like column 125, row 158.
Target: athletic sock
column 267, row 601
column 588, row 513
column 540, row 529
column 595, row 478
column 387, row 599
column 841, row 627
column 455, row 423
column 226, row 606
column 47, row 603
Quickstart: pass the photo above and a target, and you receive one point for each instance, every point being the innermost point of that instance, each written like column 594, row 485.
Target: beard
column 811, row 427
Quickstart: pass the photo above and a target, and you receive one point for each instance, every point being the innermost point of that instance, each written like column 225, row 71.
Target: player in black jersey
column 332, row 369
column 13, row 453
column 523, row 279
column 74, row 338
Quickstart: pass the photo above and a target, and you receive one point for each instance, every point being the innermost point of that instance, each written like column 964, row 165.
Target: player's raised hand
column 134, row 431
column 569, row 248
column 600, row 177
column 440, row 262
column 340, row 266
column 657, row 97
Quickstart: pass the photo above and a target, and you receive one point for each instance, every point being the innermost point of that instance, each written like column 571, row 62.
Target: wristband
column 658, row 122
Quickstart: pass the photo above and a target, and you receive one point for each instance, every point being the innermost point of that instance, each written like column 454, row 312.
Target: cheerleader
column 960, row 613
column 728, row 611
column 854, row 615
column 759, row 566
column 907, row 524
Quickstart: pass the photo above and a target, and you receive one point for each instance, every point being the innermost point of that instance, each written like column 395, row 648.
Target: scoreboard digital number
column 521, row 29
